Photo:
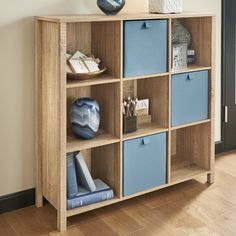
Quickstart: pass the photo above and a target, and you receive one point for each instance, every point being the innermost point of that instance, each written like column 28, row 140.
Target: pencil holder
column 129, row 124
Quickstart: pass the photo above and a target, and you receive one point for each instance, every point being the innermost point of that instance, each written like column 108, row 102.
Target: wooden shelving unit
column 190, row 147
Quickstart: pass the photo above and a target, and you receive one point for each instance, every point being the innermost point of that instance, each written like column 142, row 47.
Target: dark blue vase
column 85, row 117
column 110, row 7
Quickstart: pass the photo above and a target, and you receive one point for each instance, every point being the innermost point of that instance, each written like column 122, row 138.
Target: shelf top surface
column 119, row 17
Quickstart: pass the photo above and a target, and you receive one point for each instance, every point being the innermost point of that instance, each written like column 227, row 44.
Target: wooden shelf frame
column 103, row 35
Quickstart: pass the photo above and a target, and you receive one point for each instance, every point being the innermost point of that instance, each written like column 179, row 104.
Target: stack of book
column 82, row 190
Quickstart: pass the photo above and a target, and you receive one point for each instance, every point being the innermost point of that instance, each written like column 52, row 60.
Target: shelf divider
column 101, row 139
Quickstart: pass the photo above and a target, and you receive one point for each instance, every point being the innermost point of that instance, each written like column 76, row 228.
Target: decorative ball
column 85, row 117
column 110, row 7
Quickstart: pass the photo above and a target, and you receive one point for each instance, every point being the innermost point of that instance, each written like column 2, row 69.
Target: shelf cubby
column 201, row 41
column 108, row 98
column 102, row 39
column 190, row 149
column 103, row 163
column 157, row 91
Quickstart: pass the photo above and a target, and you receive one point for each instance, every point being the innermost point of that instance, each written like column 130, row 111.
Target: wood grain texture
column 108, row 97
column 157, row 91
column 190, row 208
column 106, row 45
column 190, row 147
column 212, row 99
column 38, row 112
column 119, row 17
column 192, row 150
column 105, row 165
column 103, row 79
column 75, row 144
column 201, row 34
column 61, row 158
column 79, row 37
column 191, row 68
column 49, row 111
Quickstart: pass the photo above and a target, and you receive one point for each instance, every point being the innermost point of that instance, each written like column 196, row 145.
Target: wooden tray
column 85, row 76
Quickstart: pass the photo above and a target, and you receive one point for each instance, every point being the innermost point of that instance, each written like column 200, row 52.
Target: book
column 102, row 193
column 72, row 185
column 84, row 177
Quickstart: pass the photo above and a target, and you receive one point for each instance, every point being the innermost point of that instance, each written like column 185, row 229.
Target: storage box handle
column 189, row 77
column 147, row 25
column 146, row 141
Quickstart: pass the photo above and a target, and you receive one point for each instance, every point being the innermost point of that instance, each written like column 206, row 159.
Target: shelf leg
column 210, row 178
column 38, row 198
column 61, row 222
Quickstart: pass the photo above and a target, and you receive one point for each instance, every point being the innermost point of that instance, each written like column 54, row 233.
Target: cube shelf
column 156, row 90
column 187, row 148
column 190, row 150
column 109, row 114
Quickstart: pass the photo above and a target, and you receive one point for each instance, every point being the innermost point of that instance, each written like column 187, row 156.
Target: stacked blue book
column 82, row 190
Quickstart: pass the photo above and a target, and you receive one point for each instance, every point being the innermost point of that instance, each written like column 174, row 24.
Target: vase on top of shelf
column 111, row 7
column 85, row 117
column 181, row 39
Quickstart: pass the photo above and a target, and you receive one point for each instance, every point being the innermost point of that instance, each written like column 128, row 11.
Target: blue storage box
column 144, row 163
column 189, row 97
column 145, row 47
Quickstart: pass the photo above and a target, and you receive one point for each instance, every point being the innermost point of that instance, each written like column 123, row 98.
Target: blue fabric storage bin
column 145, row 47
column 189, row 97
column 144, row 163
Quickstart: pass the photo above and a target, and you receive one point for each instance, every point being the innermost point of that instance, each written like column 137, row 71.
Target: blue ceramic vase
column 85, row 117
column 110, row 7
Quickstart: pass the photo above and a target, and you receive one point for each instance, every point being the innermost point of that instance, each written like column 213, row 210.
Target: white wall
column 17, row 78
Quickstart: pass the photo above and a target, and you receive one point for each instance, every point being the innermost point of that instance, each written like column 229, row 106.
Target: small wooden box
column 129, row 124
column 147, row 119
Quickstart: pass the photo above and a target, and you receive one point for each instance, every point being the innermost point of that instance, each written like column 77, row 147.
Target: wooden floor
column 193, row 208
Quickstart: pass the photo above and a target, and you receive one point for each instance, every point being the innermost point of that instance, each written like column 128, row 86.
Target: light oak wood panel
column 188, row 171
column 106, row 45
column 212, row 100
column 108, row 97
column 212, row 205
column 104, row 39
column 145, row 129
column 103, row 79
column 157, row 90
column 51, row 119
column 119, row 17
column 76, row 144
column 146, row 76
column 91, row 207
column 191, row 68
column 49, row 116
column 73, row 94
column 38, row 112
column 191, row 149
column 191, row 124
column 201, row 34
column 61, row 163
column 79, row 37
column 105, row 165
